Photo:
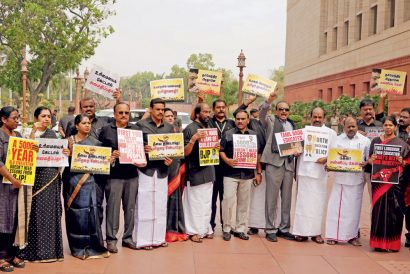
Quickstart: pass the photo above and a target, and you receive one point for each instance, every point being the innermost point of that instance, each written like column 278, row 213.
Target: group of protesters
column 172, row 200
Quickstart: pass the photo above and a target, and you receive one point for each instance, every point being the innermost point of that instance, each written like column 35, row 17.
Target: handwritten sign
column 166, row 146
column 386, row 166
column 344, row 160
column 259, row 86
column 170, row 90
column 289, row 142
column 245, row 150
column 316, row 143
column 50, row 153
column 131, row 146
column 102, row 82
column 209, row 82
column 392, row 81
column 91, row 159
column 208, row 151
column 21, row 160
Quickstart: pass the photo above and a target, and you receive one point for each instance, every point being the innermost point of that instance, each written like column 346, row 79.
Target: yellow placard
column 170, row 90
column 259, row 86
column 392, row 81
column 209, row 82
column 21, row 160
column 344, row 160
column 91, row 159
column 209, row 147
column 163, row 146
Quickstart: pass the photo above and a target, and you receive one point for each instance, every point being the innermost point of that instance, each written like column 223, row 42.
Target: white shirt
column 357, row 142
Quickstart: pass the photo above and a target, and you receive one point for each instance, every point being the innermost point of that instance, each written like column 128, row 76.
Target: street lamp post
column 77, row 91
column 85, row 91
column 241, row 65
column 221, row 94
column 24, row 80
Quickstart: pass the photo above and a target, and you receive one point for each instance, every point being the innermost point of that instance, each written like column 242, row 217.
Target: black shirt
column 222, row 127
column 195, row 173
column 227, row 148
column 148, row 126
column 109, row 138
column 361, row 124
column 96, row 126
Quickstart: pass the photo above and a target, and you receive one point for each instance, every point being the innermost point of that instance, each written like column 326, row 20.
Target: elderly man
column 345, row 202
column 312, row 189
column 279, row 170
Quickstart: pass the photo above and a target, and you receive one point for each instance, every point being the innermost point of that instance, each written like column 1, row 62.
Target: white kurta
column 151, row 211
column 197, row 201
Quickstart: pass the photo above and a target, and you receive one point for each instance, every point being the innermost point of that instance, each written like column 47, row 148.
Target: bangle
column 259, row 173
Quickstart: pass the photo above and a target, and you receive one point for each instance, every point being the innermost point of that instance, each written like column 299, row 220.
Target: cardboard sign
column 344, row 160
column 208, row 151
column 50, row 153
column 316, row 144
column 290, row 142
column 170, row 90
column 259, row 86
column 386, row 167
column 131, row 146
column 21, row 160
column 163, row 146
column 209, row 82
column 373, row 132
column 392, row 81
column 102, row 82
column 91, row 159
column 245, row 150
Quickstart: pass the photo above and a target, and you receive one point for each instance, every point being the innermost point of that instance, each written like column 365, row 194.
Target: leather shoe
column 129, row 245
column 286, row 235
column 111, row 247
column 241, row 235
column 271, row 237
column 253, row 231
column 407, row 243
column 226, row 236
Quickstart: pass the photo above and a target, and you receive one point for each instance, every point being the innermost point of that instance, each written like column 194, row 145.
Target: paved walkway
column 237, row 256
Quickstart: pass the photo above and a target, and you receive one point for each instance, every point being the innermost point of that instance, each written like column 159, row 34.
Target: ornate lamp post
column 241, row 65
column 77, row 91
column 24, row 80
column 85, row 91
column 221, row 94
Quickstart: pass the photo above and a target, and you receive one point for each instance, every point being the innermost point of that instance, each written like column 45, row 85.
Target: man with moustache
column 197, row 196
column 122, row 184
column 345, row 202
column 222, row 124
column 312, row 189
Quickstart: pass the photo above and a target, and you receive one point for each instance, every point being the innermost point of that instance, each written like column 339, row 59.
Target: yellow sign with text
column 170, row 90
column 392, row 81
column 91, row 159
column 344, row 160
column 209, row 82
column 163, row 146
column 259, row 86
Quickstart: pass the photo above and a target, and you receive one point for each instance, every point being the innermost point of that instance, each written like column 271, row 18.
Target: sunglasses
column 284, row 109
column 123, row 112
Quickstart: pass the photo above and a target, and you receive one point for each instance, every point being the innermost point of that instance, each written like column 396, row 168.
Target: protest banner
column 245, row 150
column 50, row 152
column 91, row 159
column 290, row 142
column 102, row 82
column 392, row 81
column 21, row 160
column 386, row 166
column 170, row 90
column 131, row 146
column 209, row 82
column 163, row 146
column 316, row 143
column 373, row 132
column 259, row 86
column 208, row 147
column 344, row 160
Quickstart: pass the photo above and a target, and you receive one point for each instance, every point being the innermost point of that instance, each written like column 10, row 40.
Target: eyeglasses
column 284, row 109
column 15, row 118
column 123, row 112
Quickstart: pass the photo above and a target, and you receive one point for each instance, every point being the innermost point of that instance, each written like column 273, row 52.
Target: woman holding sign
column 387, row 153
column 79, row 191
column 9, row 193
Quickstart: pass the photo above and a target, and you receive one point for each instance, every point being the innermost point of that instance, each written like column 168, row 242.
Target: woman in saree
column 14, row 211
column 387, row 198
column 79, row 191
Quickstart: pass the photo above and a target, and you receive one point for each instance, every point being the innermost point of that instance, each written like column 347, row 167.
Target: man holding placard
column 238, row 181
column 345, row 202
column 122, row 184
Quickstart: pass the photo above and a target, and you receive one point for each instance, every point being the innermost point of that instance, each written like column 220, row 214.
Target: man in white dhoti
column 312, row 188
column 151, row 207
column 345, row 202
column 197, row 196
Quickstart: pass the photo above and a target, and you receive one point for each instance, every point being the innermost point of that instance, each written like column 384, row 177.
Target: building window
column 320, row 94
column 329, row 95
column 359, row 23
column 339, row 91
column 323, row 44
column 366, row 87
column 390, row 13
column 373, row 21
column 406, row 10
column 334, row 39
column 353, row 90
column 346, row 33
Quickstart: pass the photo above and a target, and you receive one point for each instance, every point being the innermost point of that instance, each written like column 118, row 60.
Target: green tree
column 57, row 34
column 200, row 61
column 278, row 75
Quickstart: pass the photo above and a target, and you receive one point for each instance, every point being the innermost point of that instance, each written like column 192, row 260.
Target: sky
column 154, row 35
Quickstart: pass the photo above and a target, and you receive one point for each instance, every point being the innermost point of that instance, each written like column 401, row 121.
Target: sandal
column 164, row 245
column 209, row 236
column 300, row 239
column 146, row 248
column 355, row 242
column 5, row 266
column 331, row 242
column 318, row 239
column 195, row 238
